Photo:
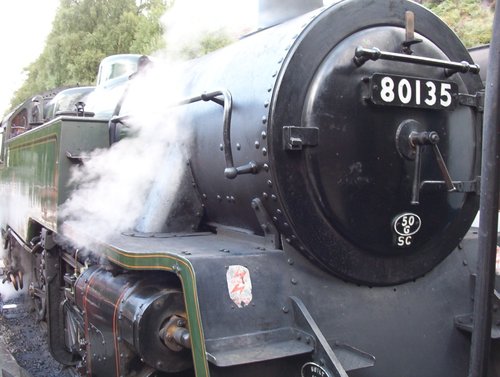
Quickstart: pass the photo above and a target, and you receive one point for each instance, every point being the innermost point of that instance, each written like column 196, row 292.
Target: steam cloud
column 131, row 184
column 15, row 212
column 188, row 22
column 114, row 184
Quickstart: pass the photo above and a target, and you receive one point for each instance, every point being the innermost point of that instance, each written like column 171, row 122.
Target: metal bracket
column 410, row 139
column 113, row 126
column 77, row 159
column 295, row 138
column 419, row 140
column 362, row 55
column 47, row 239
column 465, row 322
column 323, row 354
column 410, row 33
column 473, row 100
column 460, row 186
column 271, row 234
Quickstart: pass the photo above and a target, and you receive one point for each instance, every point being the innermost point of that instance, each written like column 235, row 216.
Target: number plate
column 393, row 90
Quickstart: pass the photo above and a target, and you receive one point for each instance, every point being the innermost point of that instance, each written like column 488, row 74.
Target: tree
column 468, row 18
column 86, row 31
column 209, row 42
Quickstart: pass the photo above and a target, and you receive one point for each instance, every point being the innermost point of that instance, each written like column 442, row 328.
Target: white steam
column 188, row 22
column 16, row 206
column 14, row 211
column 132, row 184
column 114, row 185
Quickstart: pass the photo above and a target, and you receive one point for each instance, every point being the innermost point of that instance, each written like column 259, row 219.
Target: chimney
column 273, row 12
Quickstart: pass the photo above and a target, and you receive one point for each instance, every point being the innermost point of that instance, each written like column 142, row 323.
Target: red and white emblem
column 239, row 285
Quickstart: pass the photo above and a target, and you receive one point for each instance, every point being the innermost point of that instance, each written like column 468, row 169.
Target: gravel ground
column 25, row 338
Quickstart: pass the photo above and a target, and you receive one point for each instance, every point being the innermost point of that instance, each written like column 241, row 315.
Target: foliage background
column 472, row 20
column 86, row 31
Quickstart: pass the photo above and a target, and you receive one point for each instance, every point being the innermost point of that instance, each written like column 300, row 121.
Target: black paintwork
column 124, row 313
column 332, row 195
column 355, row 180
column 304, row 180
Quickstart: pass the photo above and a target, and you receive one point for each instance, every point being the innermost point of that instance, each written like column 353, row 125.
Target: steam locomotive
column 320, row 225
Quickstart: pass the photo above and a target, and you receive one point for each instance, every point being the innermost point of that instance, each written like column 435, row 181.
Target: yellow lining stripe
column 194, row 298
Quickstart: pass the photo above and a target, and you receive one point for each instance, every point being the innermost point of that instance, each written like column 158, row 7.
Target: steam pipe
column 483, row 295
